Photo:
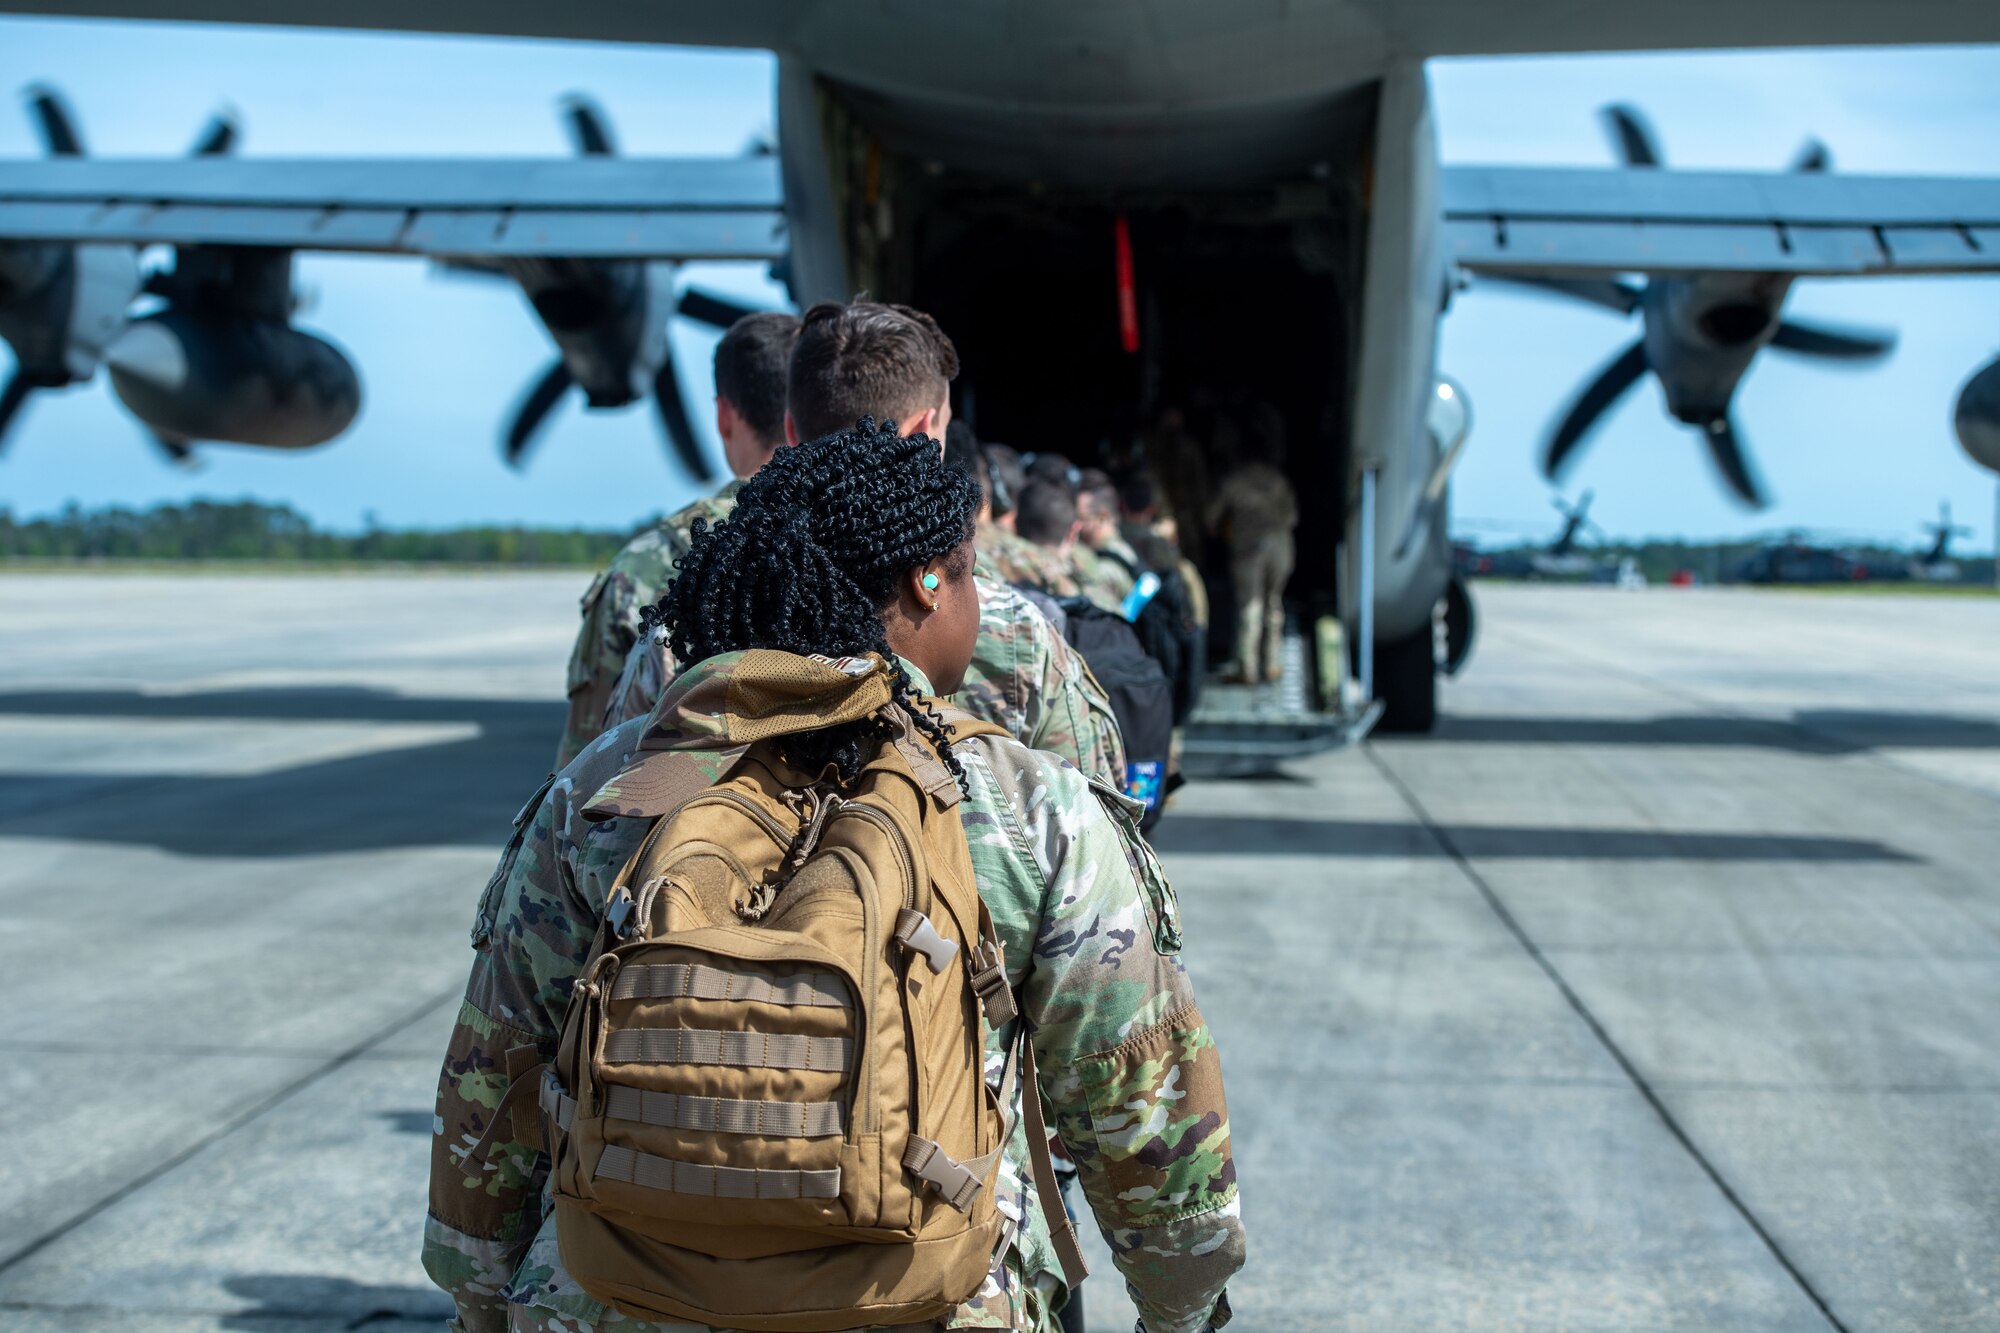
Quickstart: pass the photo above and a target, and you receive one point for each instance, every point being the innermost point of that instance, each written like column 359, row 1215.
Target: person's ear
column 725, row 416
column 920, row 424
column 924, row 583
column 791, row 428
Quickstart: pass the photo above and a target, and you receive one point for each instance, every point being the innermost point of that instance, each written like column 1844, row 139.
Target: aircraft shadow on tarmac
column 462, row 793
column 1238, row 835
column 1812, row 731
column 454, row 793
column 286, row 1299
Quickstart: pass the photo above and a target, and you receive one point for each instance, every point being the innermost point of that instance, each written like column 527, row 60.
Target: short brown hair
column 1046, row 513
column 751, row 363
column 866, row 358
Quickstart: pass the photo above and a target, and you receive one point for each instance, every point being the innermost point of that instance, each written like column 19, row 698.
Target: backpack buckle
column 915, row 932
column 989, row 983
column 955, row 1184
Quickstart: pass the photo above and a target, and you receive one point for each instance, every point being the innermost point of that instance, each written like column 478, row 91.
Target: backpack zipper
column 904, row 856
column 755, row 811
column 908, row 863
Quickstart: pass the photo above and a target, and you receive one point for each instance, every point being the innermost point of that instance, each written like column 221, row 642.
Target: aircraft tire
column 1406, row 683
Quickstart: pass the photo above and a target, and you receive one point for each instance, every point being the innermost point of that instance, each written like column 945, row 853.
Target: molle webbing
column 716, row 1182
column 674, row 981
column 742, row 1050
column 722, row 1115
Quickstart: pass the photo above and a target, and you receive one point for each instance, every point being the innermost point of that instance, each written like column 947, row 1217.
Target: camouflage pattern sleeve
column 1129, row 1067
column 1103, row 580
column 649, row 669
column 1024, row 678
column 532, row 933
column 635, row 578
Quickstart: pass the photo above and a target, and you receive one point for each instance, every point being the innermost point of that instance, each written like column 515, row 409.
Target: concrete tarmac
column 1658, row 990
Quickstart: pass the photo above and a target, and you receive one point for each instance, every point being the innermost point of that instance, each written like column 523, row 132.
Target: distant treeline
column 1719, row 562
column 251, row 531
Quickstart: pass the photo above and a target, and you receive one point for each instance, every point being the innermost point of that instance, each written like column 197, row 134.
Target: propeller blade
column 177, row 451
column 1812, row 156
column 589, row 127
column 1610, row 293
column 707, row 308
column 11, row 398
column 57, row 125
column 1809, row 339
column 1611, row 383
column 218, row 137
column 528, row 417
column 1727, row 450
column 1631, row 136
column 674, row 419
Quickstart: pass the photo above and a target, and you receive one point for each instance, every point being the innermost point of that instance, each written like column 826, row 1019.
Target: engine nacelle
column 241, row 379
column 607, row 319
column 1703, row 332
column 60, row 305
column 1977, row 418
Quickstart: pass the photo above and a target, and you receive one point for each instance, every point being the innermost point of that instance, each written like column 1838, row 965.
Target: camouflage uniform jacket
column 1254, row 504
column 1007, row 557
column 636, row 577
column 1106, row 582
column 1092, row 937
column 1023, row 677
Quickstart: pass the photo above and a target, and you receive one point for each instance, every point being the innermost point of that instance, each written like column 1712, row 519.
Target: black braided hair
column 808, row 561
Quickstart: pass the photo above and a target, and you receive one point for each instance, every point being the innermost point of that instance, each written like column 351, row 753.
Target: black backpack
column 1167, row 630
column 1142, row 696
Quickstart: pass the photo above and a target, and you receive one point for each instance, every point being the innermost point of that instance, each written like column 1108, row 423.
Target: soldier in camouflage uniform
column 1088, row 919
column 1110, row 568
column 1007, row 557
column 750, row 366
column 1257, row 510
column 1023, row 676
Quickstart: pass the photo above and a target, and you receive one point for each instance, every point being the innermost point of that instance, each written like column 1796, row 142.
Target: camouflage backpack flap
column 767, row 1109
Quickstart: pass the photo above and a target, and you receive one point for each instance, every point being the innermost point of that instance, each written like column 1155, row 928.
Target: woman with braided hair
column 856, row 549
column 852, row 544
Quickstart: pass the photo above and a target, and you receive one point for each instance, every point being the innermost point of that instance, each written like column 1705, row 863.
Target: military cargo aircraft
column 1095, row 200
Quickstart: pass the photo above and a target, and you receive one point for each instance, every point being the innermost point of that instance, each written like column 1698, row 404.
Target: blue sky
column 1858, row 453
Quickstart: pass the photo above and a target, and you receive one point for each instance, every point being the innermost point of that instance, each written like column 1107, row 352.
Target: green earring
column 931, row 582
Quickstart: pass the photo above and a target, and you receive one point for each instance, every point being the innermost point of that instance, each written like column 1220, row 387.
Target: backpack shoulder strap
column 1062, row 1231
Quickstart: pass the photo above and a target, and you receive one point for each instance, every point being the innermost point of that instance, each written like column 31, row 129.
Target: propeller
column 717, row 312
column 1597, row 397
column 12, row 398
column 536, row 404
column 1701, row 332
column 609, row 320
column 1632, row 137
column 56, row 125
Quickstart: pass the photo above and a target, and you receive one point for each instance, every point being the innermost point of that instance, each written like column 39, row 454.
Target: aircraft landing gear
column 1406, row 683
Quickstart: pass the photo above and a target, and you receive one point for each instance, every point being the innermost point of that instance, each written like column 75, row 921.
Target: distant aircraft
column 1936, row 564
column 1560, row 559
column 1102, row 205
column 1794, row 560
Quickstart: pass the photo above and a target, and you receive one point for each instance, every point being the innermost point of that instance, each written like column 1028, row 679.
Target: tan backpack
column 767, row 1110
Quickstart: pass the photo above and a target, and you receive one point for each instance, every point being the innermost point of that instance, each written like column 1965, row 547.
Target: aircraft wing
column 623, row 208
column 1567, row 221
